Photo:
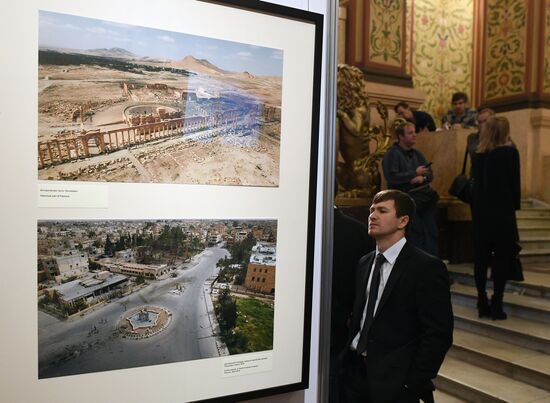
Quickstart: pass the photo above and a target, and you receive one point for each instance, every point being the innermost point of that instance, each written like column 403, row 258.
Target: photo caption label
column 235, row 366
column 73, row 196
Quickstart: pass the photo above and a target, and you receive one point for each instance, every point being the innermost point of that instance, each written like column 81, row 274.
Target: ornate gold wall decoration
column 385, row 36
column 546, row 83
column 408, row 36
column 376, row 38
column 359, row 145
column 442, row 51
column 506, row 54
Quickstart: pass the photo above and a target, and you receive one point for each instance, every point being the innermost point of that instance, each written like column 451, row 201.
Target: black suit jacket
column 351, row 242
column 412, row 327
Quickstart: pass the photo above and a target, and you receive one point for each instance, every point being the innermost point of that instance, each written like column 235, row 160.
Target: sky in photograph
column 80, row 33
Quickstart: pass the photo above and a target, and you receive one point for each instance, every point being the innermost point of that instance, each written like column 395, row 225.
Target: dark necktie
column 373, row 296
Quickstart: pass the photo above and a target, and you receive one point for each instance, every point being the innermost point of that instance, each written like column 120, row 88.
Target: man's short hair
column 400, row 130
column 401, row 104
column 404, row 204
column 489, row 111
column 458, row 96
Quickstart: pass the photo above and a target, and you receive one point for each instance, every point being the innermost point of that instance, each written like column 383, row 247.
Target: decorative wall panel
column 408, row 34
column 385, row 33
column 506, row 50
column 546, row 82
column 442, row 51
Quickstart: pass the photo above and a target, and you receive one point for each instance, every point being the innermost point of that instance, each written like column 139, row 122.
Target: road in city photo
column 92, row 342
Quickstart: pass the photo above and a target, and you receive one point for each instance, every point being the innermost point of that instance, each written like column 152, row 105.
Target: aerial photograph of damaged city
column 132, row 293
column 125, row 103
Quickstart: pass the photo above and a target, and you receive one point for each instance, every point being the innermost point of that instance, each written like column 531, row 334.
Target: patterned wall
column 546, row 82
column 408, row 16
column 442, row 51
column 506, row 54
column 386, row 28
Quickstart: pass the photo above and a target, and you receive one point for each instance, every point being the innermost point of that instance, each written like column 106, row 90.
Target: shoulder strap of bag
column 465, row 159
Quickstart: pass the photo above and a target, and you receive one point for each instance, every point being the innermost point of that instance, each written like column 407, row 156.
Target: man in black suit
column 402, row 321
column 351, row 242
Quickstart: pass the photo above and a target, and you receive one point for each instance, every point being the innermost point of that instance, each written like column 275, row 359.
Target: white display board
column 28, row 201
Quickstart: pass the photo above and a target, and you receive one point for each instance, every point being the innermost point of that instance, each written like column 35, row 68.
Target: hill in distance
column 118, row 53
column 201, row 66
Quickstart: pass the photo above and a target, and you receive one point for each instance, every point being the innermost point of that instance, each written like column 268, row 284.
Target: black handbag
column 462, row 186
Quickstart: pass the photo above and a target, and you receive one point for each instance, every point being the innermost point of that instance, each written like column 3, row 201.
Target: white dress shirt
column 391, row 255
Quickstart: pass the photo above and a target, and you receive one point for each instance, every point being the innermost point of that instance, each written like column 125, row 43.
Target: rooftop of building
column 83, row 287
column 130, row 265
column 264, row 253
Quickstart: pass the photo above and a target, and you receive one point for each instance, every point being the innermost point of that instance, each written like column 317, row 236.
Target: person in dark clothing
column 460, row 115
column 407, row 169
column 497, row 194
column 351, row 242
column 473, row 138
column 481, row 263
column 423, row 121
column 402, row 321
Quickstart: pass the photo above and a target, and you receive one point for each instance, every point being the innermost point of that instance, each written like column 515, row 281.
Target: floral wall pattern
column 408, row 27
column 442, row 51
column 546, row 83
column 386, row 27
column 506, row 57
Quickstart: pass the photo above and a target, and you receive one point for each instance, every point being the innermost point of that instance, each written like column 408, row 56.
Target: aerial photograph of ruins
column 132, row 293
column 125, row 103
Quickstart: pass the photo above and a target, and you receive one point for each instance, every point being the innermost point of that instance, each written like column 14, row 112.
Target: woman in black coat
column 496, row 197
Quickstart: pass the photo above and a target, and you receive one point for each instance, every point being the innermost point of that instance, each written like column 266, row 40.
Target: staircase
column 499, row 361
column 534, row 232
column 503, row 361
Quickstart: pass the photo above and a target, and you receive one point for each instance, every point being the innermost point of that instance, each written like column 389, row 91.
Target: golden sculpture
column 359, row 146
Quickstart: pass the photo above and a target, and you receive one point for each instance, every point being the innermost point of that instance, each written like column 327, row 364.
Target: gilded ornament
column 359, row 145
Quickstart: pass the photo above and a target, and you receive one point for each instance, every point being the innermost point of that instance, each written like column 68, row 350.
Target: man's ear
column 403, row 221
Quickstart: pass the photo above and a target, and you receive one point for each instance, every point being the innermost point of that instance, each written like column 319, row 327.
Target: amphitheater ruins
column 96, row 125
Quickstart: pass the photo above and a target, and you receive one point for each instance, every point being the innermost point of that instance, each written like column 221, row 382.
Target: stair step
column 518, row 331
column 442, row 397
column 535, row 255
column 522, row 306
column 534, row 252
column 532, row 221
column 530, row 243
column 522, row 364
column 532, row 212
column 533, row 204
column 475, row 384
column 528, row 222
column 537, row 267
column 536, row 284
column 533, row 231
column 527, row 204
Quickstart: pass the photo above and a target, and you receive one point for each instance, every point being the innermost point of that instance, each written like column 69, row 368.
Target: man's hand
column 417, row 180
column 421, row 170
column 423, row 391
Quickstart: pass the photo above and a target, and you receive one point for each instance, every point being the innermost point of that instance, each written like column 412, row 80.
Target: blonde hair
column 495, row 133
